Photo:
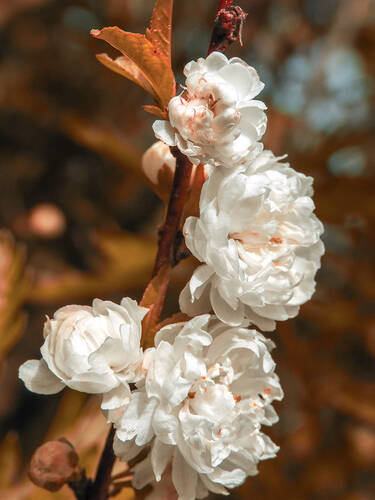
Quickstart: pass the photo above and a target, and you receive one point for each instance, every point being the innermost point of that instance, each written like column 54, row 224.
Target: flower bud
column 53, row 464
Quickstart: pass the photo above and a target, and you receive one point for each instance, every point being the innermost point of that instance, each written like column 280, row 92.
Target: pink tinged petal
column 184, row 478
column 38, row 378
column 117, row 397
column 164, row 132
column 161, row 455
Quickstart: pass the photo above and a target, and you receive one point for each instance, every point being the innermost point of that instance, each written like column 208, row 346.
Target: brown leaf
column 149, row 68
column 154, row 110
column 160, row 30
column 124, row 66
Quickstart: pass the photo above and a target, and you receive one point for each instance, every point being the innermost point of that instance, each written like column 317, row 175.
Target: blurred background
column 78, row 221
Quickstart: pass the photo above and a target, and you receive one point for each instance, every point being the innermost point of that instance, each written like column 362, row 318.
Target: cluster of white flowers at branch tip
column 204, row 391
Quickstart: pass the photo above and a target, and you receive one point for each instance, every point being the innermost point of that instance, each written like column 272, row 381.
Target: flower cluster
column 208, row 390
column 202, row 394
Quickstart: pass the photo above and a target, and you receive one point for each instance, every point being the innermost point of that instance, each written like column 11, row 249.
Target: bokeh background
column 78, row 221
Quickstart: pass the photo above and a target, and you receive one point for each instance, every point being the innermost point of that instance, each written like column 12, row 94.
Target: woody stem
column 181, row 183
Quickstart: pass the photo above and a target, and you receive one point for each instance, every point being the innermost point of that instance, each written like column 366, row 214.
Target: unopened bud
column 53, row 464
column 158, row 166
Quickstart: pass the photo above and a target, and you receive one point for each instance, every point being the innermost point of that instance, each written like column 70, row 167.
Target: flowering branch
column 253, row 271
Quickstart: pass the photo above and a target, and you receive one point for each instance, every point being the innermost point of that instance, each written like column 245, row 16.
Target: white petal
column 117, row 397
column 127, row 450
column 143, row 474
column 38, row 378
column 164, row 132
column 184, row 478
column 161, row 455
column 230, row 479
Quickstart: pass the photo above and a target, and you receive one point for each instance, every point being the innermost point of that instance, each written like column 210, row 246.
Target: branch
column 99, row 490
column 181, row 183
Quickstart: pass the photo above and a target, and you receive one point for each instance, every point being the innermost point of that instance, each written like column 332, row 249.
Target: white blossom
column 91, row 349
column 208, row 390
column 215, row 119
column 259, row 243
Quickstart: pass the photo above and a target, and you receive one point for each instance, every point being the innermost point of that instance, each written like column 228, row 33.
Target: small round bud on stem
column 54, row 464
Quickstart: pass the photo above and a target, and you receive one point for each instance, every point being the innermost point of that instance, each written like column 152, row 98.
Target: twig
column 181, row 183
column 99, row 490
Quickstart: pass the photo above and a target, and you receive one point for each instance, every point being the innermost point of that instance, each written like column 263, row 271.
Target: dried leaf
column 124, row 66
column 154, row 110
column 149, row 68
column 160, row 30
